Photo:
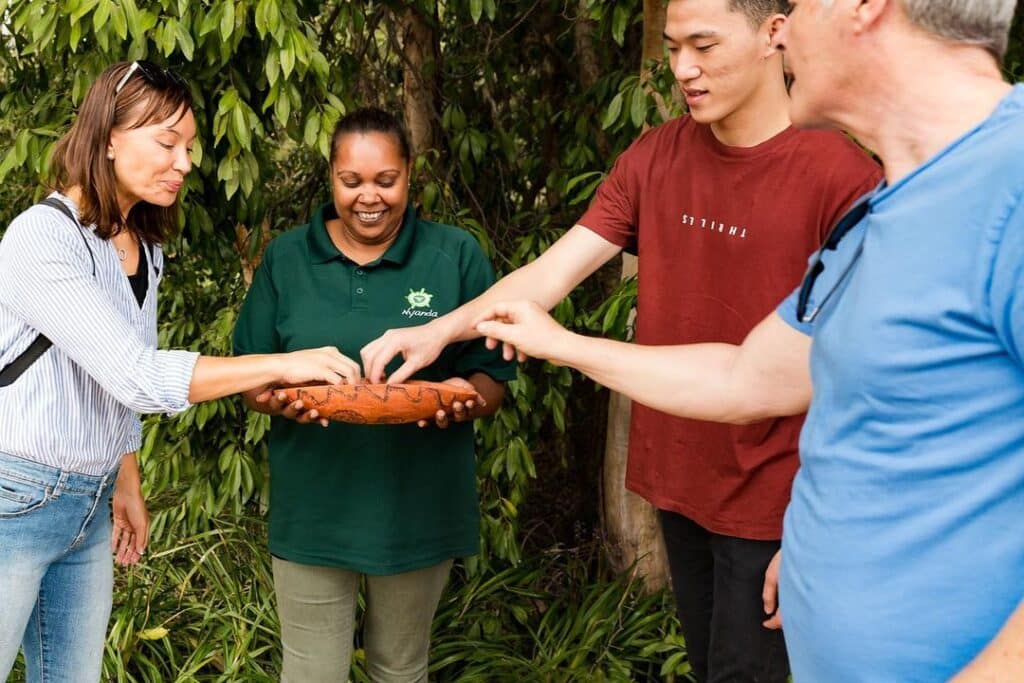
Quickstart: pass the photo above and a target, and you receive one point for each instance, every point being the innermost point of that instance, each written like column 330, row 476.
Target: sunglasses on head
column 153, row 74
column 852, row 217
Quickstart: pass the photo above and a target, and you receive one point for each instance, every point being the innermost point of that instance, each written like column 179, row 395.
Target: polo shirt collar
column 322, row 249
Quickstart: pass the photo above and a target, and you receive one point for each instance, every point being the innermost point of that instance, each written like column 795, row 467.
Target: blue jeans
column 56, row 570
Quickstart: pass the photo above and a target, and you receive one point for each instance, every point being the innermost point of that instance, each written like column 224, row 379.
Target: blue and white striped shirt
column 76, row 407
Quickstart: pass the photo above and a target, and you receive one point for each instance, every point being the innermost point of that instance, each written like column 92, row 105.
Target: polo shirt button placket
column 360, row 302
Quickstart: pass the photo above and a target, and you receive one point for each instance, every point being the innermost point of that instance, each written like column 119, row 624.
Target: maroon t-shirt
column 723, row 234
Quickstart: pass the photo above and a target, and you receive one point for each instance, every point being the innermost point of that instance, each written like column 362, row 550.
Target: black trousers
column 717, row 582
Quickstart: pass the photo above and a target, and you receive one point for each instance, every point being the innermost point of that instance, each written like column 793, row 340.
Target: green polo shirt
column 378, row 499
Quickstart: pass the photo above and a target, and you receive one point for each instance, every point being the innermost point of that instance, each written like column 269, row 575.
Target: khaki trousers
column 317, row 607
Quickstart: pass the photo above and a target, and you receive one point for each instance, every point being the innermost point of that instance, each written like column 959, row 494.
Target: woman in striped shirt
column 80, row 272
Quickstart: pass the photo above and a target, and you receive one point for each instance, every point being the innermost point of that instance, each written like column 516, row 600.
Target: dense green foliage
column 533, row 99
column 525, row 135
column 270, row 78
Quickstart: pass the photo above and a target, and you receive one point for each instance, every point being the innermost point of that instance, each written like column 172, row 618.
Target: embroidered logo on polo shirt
column 418, row 301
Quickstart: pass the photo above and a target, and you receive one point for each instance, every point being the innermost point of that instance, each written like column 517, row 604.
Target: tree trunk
column 654, row 39
column 421, row 92
column 589, row 67
column 631, row 523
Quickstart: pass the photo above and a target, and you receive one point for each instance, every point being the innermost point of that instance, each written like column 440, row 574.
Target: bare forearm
column 530, row 282
column 215, row 377
column 717, row 382
column 128, row 473
column 1003, row 658
column 546, row 280
column 689, row 381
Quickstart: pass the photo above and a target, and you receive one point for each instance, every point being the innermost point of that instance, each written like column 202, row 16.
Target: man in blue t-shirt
column 903, row 556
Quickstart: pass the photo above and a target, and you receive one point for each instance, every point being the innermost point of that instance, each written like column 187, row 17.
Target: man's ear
column 774, row 25
column 867, row 13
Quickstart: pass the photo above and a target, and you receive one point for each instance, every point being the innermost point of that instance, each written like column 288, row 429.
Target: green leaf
column 287, row 56
column 312, row 130
column 197, row 152
column 100, row 16
column 320, row 66
column 227, row 20
column 119, row 22
column 131, row 12
column 476, row 10
column 242, row 132
column 185, row 40
column 613, row 112
column 638, row 108
column 274, row 20
column 82, row 10
column 620, row 22
column 260, row 18
column 210, row 20
column 272, row 66
column 228, row 101
column 282, row 108
column 75, row 35
column 336, row 103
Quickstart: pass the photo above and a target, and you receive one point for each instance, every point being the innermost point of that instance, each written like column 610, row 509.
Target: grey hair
column 985, row 23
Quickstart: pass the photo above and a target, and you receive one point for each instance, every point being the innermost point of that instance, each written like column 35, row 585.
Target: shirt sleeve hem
column 178, row 366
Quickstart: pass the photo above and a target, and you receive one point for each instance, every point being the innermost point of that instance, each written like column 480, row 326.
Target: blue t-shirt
column 903, row 545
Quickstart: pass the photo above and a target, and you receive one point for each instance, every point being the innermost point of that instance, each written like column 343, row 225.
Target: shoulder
column 672, row 132
column 290, row 244
column 41, row 227
column 833, row 145
column 999, row 145
column 835, row 158
column 450, row 240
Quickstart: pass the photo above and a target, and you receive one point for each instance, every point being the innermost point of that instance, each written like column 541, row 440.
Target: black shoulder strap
column 55, row 203
column 40, row 344
column 24, row 360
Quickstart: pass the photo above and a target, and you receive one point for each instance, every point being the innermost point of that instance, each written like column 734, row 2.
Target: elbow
column 752, row 409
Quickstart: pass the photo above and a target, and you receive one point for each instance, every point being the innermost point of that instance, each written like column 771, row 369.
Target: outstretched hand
column 325, row 364
column 420, row 346
column 524, row 329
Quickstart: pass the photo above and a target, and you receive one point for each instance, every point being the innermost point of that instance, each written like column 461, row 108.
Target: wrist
column 565, row 345
column 273, row 369
column 454, row 326
column 129, row 479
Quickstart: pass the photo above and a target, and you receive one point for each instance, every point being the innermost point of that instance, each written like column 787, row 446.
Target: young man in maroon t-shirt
column 723, row 207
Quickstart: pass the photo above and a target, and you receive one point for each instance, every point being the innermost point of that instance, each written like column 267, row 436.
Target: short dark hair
column 371, row 120
column 757, row 11
column 122, row 96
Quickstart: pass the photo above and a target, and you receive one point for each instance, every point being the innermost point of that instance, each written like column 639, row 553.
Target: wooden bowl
column 379, row 403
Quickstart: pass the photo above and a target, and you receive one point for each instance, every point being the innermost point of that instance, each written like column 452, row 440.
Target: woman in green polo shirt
column 395, row 503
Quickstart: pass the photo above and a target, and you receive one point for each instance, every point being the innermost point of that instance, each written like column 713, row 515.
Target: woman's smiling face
column 370, row 186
